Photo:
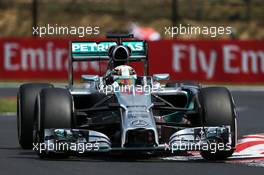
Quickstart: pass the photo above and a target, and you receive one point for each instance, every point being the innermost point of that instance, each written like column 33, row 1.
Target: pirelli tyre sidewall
column 26, row 100
column 218, row 109
column 54, row 110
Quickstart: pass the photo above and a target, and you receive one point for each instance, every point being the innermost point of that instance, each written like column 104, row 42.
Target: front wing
column 85, row 141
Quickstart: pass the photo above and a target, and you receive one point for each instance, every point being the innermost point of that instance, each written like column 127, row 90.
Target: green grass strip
column 7, row 105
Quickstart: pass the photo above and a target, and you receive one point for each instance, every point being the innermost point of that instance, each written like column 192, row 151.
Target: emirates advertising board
column 223, row 61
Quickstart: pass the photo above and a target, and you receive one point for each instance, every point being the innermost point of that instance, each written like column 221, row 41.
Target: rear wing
column 96, row 51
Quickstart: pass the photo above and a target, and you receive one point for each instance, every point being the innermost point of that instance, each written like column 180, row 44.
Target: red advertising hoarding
column 205, row 61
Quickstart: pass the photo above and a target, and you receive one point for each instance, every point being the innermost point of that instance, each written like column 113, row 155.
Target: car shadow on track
column 26, row 154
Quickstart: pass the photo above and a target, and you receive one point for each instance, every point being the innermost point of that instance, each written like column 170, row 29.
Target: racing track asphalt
column 14, row 160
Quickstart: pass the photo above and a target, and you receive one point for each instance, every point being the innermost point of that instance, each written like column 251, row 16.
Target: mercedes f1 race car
column 122, row 111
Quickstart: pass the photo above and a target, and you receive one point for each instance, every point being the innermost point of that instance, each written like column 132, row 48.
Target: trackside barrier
column 221, row 61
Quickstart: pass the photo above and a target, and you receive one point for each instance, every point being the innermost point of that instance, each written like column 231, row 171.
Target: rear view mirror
column 158, row 77
column 90, row 77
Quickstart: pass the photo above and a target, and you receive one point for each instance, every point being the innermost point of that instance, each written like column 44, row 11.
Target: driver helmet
column 124, row 75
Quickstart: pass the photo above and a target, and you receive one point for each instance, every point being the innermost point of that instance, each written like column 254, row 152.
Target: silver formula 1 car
column 124, row 112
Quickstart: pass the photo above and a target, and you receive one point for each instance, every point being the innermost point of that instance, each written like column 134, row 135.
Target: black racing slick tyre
column 218, row 109
column 185, row 83
column 26, row 98
column 54, row 110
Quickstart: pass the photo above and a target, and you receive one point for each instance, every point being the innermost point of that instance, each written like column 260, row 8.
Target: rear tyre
column 184, row 83
column 26, row 98
column 54, row 110
column 218, row 109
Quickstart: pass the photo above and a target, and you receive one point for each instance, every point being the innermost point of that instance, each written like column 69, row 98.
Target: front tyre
column 218, row 109
column 54, row 110
column 26, row 98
